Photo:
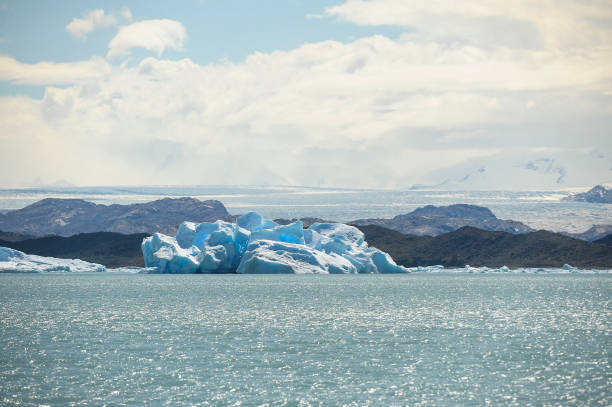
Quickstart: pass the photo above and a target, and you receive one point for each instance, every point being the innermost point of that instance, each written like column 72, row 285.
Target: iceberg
column 14, row 261
column 254, row 245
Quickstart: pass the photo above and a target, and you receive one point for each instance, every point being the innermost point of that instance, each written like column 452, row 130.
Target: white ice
column 566, row 269
column 17, row 262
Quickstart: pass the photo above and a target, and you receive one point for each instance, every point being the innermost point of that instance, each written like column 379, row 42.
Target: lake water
column 538, row 209
column 419, row 339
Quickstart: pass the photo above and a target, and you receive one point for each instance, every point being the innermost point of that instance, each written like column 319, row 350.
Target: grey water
column 538, row 209
column 418, row 339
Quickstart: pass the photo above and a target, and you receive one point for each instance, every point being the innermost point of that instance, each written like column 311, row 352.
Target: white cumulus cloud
column 427, row 106
column 152, row 35
column 80, row 27
column 553, row 24
column 376, row 112
column 52, row 73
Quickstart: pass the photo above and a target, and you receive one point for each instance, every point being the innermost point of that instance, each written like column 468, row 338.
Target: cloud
column 551, row 24
column 375, row 112
column 80, row 27
column 370, row 113
column 152, row 35
column 52, row 73
column 126, row 14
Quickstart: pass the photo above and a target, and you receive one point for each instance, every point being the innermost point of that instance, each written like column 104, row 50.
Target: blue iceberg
column 254, row 245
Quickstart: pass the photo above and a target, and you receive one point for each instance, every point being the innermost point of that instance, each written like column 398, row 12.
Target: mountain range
column 433, row 220
column 452, row 235
column 597, row 194
column 67, row 217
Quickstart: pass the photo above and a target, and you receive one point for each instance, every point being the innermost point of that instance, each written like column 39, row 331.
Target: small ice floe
column 130, row 270
column 565, row 269
column 427, row 269
column 14, row 261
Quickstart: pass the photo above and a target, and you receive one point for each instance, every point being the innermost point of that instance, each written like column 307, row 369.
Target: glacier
column 14, row 261
column 254, row 245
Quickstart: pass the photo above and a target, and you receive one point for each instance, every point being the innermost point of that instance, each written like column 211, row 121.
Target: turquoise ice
column 254, row 245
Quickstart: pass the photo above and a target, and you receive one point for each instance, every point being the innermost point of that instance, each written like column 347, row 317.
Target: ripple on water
column 311, row 340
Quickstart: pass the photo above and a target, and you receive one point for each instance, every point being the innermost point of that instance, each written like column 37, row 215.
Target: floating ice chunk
column 274, row 257
column 291, row 233
column 338, row 235
column 18, row 262
column 505, row 269
column 198, row 248
column 168, row 256
column 384, row 263
column 256, row 245
column 186, row 234
column 132, row 270
column 570, row 269
column 252, row 221
column 348, row 242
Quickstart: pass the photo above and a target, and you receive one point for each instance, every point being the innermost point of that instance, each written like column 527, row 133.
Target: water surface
column 417, row 339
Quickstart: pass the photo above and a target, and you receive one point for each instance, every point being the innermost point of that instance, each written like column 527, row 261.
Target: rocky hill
column 67, row 217
column 605, row 240
column 597, row 194
column 476, row 247
column 436, row 220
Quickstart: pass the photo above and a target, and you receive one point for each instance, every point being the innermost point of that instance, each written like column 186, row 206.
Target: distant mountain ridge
column 597, row 194
column 67, row 217
column 436, row 220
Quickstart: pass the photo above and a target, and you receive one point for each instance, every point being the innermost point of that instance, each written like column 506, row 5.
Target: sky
column 346, row 93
